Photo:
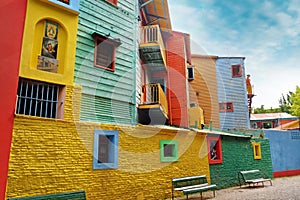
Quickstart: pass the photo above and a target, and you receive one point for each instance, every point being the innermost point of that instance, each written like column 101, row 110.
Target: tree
column 295, row 100
column 285, row 103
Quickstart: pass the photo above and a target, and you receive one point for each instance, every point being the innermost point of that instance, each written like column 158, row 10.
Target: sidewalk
column 285, row 188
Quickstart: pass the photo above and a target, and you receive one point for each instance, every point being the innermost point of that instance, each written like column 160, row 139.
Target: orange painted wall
column 12, row 16
column 177, row 82
column 203, row 89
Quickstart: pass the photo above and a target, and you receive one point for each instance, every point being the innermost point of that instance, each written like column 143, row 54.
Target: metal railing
column 152, row 34
column 155, row 95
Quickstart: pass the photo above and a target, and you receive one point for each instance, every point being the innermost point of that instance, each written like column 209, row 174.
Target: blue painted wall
column 285, row 146
column 232, row 90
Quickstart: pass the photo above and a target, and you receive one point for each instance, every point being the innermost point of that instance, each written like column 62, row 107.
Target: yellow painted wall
column 203, row 88
column 37, row 14
column 52, row 156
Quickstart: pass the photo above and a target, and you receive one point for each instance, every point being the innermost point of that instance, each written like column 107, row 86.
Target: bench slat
column 188, row 178
column 190, row 187
column 200, row 189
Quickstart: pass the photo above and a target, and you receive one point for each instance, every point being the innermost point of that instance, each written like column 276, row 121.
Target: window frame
column 114, row 43
column 43, row 97
column 233, row 71
column 72, row 6
column 218, row 143
column 223, row 107
column 115, row 2
column 113, row 149
column 162, row 144
column 256, row 150
column 191, row 70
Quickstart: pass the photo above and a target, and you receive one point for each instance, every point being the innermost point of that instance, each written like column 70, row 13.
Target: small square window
column 226, row 107
column 168, row 150
column 215, row 150
column 236, row 71
column 256, row 150
column 105, row 149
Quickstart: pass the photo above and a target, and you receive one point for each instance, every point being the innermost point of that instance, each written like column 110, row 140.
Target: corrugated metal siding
column 118, row 86
column 178, row 98
column 232, row 90
column 204, row 88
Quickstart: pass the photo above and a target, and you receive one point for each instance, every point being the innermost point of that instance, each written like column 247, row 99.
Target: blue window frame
column 105, row 149
column 71, row 5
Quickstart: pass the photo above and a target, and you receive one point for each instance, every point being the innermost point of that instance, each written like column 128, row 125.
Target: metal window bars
column 37, row 98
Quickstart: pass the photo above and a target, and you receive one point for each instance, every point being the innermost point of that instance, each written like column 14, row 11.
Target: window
column 168, row 150
column 105, row 149
column 190, row 73
column 226, row 107
column 113, row 1
column 65, row 1
column 215, row 150
column 71, row 5
column 39, row 99
column 47, row 61
column 256, row 150
column 105, row 52
column 236, row 71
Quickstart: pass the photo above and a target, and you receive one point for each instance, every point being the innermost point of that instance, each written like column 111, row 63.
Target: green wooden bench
column 192, row 184
column 78, row 195
column 252, row 177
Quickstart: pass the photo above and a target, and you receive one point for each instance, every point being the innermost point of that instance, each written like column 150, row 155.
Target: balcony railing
column 152, row 46
column 155, row 95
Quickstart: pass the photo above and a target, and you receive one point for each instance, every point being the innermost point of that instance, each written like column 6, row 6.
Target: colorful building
column 284, row 145
column 271, row 120
column 79, row 102
column 232, row 94
column 204, row 89
column 106, row 64
column 11, row 43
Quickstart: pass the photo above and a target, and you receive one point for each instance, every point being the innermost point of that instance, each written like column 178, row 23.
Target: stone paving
column 284, row 188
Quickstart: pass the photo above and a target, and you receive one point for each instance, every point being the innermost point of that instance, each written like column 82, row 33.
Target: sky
column 266, row 33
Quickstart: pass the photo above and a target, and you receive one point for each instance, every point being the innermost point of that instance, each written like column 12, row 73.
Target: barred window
column 39, row 99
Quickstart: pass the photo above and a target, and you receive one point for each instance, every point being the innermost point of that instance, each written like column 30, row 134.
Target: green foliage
column 263, row 110
column 285, row 102
column 295, row 100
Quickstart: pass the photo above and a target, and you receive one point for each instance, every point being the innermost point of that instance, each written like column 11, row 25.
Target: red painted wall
column 177, row 90
column 12, row 18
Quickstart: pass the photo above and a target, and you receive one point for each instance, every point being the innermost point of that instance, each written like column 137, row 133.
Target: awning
column 156, row 12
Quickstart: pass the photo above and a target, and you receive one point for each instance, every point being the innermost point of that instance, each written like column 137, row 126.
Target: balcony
column 152, row 48
column 155, row 108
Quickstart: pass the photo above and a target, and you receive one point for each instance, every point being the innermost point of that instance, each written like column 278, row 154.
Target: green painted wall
column 238, row 156
column 103, row 91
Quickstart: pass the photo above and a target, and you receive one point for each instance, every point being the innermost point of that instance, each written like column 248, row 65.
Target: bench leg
column 214, row 193
column 201, row 195
column 187, row 196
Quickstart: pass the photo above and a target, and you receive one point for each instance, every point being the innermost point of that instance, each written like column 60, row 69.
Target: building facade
column 11, row 43
column 232, row 95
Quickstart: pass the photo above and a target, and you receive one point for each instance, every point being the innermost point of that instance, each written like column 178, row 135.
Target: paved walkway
column 285, row 188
